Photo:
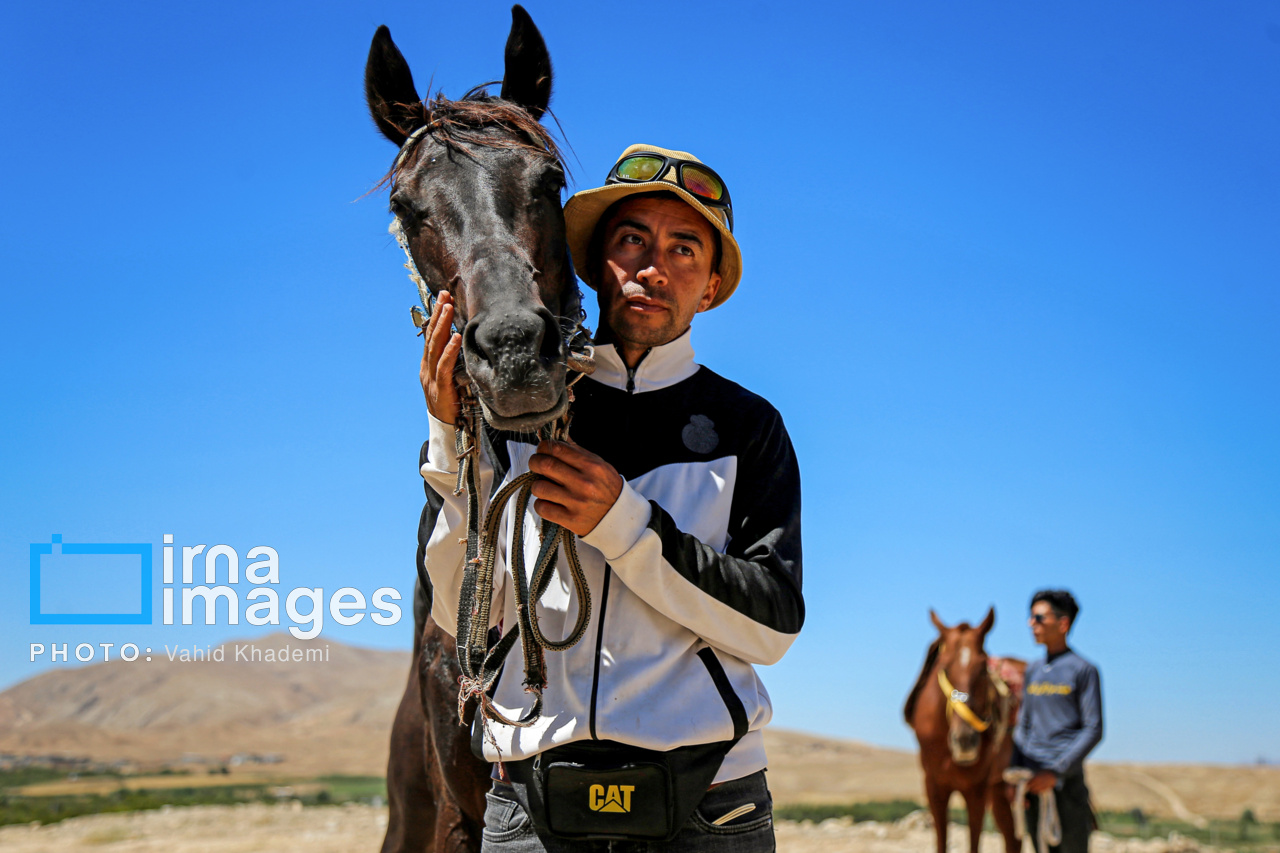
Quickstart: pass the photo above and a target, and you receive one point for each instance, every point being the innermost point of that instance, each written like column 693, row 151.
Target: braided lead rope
column 542, row 579
column 1019, row 777
column 480, row 665
column 1048, row 823
column 476, row 593
column 480, row 670
column 1049, row 826
column 535, row 663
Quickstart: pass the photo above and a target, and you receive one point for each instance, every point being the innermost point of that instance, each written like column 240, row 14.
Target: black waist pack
column 607, row 790
column 599, row 789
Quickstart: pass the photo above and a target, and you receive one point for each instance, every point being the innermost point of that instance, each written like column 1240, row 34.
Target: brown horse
column 963, row 714
column 435, row 786
column 475, row 189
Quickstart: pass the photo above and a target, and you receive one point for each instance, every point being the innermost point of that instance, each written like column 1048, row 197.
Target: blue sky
column 1010, row 276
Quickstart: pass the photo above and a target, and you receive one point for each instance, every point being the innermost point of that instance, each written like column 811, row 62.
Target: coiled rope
column 1048, row 823
column 480, row 664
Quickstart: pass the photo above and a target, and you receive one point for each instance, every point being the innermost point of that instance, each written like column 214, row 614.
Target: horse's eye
column 551, row 184
column 405, row 212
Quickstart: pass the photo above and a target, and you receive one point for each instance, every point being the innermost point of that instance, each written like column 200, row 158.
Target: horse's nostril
column 550, row 345
column 471, row 342
column 518, row 336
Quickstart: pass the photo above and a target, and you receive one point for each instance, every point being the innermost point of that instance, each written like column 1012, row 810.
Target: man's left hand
column 578, row 488
column 1042, row 781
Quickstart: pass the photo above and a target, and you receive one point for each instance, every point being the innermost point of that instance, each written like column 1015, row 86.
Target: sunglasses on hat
column 691, row 176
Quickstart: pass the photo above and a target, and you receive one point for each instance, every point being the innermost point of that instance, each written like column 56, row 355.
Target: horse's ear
column 527, row 78
column 987, row 622
column 389, row 90
column 937, row 623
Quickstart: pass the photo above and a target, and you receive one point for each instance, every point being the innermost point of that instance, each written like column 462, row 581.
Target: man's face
column 1046, row 626
column 656, row 271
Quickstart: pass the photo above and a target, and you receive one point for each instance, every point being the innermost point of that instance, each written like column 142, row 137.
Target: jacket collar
column 661, row 367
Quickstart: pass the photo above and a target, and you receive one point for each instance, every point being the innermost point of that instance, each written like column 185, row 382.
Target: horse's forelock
column 469, row 121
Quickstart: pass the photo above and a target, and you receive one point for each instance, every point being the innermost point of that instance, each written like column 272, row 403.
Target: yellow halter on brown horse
column 957, row 702
column 962, row 710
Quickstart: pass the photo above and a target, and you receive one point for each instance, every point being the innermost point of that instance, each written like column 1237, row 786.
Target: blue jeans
column 507, row 829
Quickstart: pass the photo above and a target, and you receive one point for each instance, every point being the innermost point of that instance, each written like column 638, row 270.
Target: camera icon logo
column 75, row 583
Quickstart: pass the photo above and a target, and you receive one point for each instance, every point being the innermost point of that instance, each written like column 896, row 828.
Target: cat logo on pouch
column 617, row 798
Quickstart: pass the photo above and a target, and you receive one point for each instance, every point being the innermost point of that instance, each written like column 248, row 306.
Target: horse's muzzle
column 517, row 362
column 964, row 743
column 530, row 421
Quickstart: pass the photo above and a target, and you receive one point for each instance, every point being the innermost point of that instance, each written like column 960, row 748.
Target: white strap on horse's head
column 395, row 229
column 409, row 143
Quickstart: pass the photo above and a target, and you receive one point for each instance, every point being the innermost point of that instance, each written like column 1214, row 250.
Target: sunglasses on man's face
column 691, row 176
column 1041, row 618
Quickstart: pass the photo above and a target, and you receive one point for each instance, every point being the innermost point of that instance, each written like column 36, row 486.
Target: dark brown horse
column 475, row 190
column 435, row 786
column 963, row 714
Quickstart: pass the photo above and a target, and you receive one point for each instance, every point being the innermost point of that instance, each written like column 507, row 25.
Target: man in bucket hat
column 685, row 492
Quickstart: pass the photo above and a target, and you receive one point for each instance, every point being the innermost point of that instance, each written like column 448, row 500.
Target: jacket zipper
column 595, row 677
column 604, row 595
column 631, row 372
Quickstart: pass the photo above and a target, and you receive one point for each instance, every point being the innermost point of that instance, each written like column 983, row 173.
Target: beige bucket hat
column 584, row 209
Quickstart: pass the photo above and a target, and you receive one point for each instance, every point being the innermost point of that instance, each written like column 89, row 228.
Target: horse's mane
column 470, row 121
column 930, row 657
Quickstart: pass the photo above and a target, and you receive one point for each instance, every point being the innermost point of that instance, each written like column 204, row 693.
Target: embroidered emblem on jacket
column 700, row 434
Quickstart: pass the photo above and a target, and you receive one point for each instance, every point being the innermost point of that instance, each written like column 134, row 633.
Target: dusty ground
column 289, row 828
column 805, row 768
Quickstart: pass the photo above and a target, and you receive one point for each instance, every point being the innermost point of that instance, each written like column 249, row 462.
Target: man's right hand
column 440, row 350
column 1042, row 781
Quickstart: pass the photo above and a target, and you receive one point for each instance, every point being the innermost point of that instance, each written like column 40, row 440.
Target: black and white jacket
column 700, row 554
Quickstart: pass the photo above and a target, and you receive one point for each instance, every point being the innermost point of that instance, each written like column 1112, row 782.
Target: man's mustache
column 633, row 290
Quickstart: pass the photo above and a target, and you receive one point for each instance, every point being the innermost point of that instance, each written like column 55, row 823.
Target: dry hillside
column 329, row 716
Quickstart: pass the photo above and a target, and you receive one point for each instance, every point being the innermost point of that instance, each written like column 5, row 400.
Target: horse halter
column 577, row 339
column 958, row 703
column 481, row 663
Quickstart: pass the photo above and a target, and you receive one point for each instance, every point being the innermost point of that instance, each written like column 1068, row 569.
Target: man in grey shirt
column 1060, row 721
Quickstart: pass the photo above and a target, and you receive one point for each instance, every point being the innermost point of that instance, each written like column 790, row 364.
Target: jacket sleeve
column 1089, row 689
column 442, row 529
column 1023, row 727
column 746, row 600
